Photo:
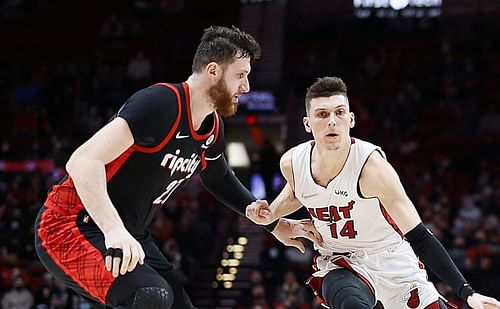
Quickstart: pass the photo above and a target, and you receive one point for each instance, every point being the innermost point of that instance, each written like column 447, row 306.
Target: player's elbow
column 79, row 164
column 72, row 164
column 209, row 181
column 215, row 174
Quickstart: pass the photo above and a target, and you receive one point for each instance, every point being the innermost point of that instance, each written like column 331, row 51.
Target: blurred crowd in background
column 426, row 90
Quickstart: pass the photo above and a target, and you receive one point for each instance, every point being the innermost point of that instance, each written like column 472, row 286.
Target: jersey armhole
column 216, row 142
column 358, row 188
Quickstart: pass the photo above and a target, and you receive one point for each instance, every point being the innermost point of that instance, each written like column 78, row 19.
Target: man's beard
column 222, row 98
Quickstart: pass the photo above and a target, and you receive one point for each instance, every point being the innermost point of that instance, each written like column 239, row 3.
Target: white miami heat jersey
column 347, row 222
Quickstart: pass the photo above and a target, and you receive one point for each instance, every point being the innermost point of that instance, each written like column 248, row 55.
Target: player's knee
column 154, row 298
column 343, row 289
column 350, row 297
column 352, row 302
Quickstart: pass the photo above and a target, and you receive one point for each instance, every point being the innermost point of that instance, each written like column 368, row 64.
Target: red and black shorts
column 72, row 248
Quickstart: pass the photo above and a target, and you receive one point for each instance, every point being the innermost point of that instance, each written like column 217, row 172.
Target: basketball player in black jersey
column 91, row 232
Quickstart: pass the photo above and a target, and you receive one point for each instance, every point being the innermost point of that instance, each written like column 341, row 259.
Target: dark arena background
column 423, row 80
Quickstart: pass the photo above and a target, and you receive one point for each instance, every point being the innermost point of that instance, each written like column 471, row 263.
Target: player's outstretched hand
column 478, row 301
column 287, row 230
column 123, row 252
column 260, row 212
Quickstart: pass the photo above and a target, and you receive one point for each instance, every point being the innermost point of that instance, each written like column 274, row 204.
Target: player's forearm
column 221, row 182
column 89, row 177
column 434, row 255
column 284, row 204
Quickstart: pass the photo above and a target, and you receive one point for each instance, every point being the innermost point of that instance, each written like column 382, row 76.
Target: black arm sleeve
column 434, row 255
column 150, row 114
column 221, row 182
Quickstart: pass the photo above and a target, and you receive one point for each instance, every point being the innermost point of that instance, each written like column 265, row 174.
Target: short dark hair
column 325, row 87
column 221, row 44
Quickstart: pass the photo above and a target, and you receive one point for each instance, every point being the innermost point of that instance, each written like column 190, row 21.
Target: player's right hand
column 478, row 301
column 288, row 230
column 123, row 252
column 260, row 212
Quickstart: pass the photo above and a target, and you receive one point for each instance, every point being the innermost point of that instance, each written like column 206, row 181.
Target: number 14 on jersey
column 339, row 217
column 346, row 231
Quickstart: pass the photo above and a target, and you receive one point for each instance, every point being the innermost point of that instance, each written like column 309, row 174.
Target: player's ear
column 306, row 124
column 213, row 69
column 353, row 120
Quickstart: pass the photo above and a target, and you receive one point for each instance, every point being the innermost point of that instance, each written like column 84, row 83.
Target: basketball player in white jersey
column 372, row 233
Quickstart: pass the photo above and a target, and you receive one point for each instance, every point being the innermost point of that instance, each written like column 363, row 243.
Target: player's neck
column 200, row 104
column 326, row 163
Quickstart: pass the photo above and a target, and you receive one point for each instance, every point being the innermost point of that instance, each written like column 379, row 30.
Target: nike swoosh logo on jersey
column 309, row 195
column 179, row 136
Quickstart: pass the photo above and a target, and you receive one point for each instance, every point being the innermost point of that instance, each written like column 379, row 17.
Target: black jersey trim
column 174, row 127
column 194, row 134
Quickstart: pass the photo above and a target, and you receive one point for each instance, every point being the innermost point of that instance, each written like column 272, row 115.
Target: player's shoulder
column 151, row 112
column 286, row 161
column 286, row 157
column 157, row 93
column 286, row 165
column 375, row 168
column 154, row 101
column 375, row 160
column 361, row 143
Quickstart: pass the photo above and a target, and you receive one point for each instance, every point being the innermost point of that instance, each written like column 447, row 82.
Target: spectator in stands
column 291, row 294
column 257, row 299
column 19, row 297
column 139, row 69
column 51, row 293
column 113, row 28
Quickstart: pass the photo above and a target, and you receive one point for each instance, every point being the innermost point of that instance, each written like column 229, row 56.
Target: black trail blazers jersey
column 166, row 153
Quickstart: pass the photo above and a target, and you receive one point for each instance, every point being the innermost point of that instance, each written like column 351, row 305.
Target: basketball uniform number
column 346, row 231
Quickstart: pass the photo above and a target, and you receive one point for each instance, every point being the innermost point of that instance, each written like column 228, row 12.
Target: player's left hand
column 287, row 230
column 259, row 212
column 478, row 301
